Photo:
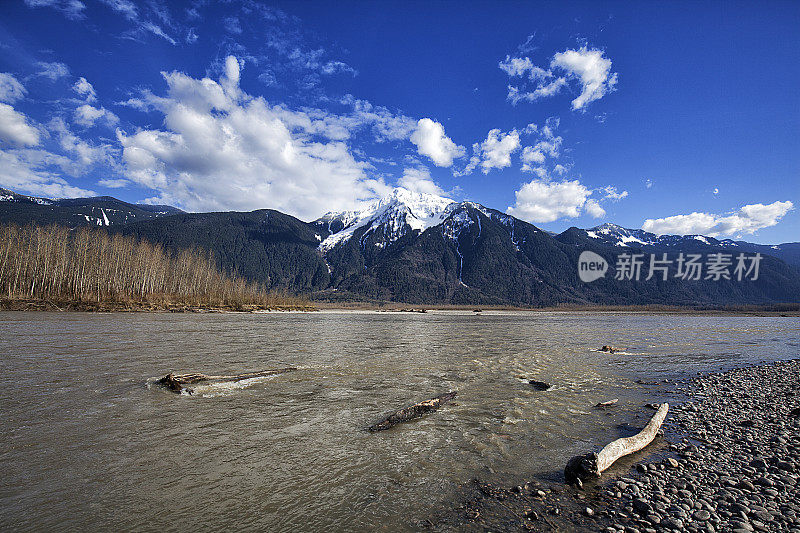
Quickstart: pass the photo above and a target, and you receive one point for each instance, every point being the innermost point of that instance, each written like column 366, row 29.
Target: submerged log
column 591, row 465
column 412, row 412
column 176, row 382
column 607, row 403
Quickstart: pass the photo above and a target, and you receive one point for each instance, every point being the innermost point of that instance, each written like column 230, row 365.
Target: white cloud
column 114, row 183
column 588, row 67
column 531, row 155
column 141, row 26
column 593, row 208
column 748, row 219
column 125, row 7
column 419, row 180
column 155, row 29
column 593, row 70
column 549, row 144
column 223, row 149
column 518, row 66
column 84, row 153
column 542, row 91
column 11, row 89
column 85, row 89
column 333, row 67
column 14, row 128
column 26, row 171
column 385, row 125
column 494, row 152
column 543, row 201
column 87, row 115
column 232, row 25
column 72, row 9
column 431, row 141
column 611, row 193
column 54, row 70
column 312, row 60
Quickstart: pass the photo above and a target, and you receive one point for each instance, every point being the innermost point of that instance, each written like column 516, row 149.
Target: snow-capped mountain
column 402, row 212
column 96, row 211
column 614, row 235
column 619, row 237
column 393, row 216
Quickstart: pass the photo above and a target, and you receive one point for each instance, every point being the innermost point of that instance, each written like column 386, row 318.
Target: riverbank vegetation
column 88, row 268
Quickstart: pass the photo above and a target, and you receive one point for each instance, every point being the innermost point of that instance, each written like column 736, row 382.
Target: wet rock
column 739, row 508
column 539, row 385
column 671, row 523
column 746, row 485
column 642, row 506
column 723, row 476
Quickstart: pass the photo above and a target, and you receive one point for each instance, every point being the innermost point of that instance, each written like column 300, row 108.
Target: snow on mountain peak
column 399, row 210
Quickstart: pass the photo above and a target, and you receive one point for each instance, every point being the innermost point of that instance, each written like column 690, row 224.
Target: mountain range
column 425, row 249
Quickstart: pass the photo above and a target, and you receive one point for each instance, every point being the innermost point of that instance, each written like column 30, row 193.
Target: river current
column 90, row 442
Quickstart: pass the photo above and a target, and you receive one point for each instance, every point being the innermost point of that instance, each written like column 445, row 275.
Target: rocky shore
column 730, row 461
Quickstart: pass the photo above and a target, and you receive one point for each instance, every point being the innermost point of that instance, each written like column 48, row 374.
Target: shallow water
column 88, row 443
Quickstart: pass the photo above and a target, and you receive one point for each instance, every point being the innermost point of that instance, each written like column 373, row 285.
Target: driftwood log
column 177, row 382
column 607, row 403
column 412, row 412
column 591, row 465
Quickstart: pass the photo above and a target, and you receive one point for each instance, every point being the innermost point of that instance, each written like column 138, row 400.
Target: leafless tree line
column 91, row 265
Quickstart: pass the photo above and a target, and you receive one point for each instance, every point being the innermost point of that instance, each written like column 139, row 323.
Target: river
column 89, row 442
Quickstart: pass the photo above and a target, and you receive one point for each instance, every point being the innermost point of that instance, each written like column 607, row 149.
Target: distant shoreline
column 33, row 304
column 791, row 310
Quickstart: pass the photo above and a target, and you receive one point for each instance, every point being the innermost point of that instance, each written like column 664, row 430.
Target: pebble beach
column 729, row 461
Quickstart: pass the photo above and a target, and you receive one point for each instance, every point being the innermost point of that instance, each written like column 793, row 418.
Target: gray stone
column 672, row 523
column 746, row 485
column 702, row 515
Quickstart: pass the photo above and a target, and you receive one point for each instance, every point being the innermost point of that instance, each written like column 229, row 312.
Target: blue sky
column 675, row 117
